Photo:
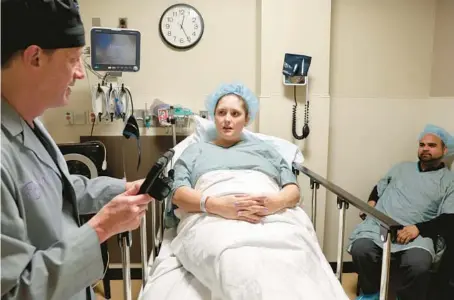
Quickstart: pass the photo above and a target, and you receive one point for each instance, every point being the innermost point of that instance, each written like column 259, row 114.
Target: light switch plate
column 123, row 23
column 96, row 22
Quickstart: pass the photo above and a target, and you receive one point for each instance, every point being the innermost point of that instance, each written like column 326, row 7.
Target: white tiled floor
column 348, row 282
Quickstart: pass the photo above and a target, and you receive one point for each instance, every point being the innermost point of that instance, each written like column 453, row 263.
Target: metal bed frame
column 389, row 228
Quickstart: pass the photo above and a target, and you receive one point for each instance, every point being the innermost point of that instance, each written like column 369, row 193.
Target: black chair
column 442, row 283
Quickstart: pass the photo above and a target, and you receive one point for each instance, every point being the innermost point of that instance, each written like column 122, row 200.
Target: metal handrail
column 388, row 226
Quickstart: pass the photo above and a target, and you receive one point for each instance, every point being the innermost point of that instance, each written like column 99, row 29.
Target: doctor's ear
column 31, row 56
column 34, row 56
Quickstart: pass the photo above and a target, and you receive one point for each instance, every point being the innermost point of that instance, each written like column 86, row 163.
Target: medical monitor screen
column 115, row 50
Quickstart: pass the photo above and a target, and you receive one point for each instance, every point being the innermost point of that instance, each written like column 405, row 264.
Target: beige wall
column 382, row 48
column 443, row 50
column 372, row 74
column 381, row 70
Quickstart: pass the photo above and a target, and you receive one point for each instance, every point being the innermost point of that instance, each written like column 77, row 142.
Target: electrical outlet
column 79, row 118
column 123, row 22
column 69, row 118
column 92, row 117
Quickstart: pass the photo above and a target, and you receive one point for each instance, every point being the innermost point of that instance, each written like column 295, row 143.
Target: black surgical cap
column 49, row 24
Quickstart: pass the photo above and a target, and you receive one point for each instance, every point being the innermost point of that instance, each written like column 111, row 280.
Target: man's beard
column 430, row 160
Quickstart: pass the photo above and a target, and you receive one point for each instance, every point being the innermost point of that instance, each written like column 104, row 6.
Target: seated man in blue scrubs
column 420, row 196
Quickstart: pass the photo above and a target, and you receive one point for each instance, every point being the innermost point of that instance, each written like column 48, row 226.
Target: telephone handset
column 306, row 129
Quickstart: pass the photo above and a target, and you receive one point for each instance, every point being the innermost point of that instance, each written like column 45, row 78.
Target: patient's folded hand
column 271, row 204
column 237, row 207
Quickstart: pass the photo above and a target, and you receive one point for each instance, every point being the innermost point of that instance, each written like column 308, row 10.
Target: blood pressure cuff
column 49, row 24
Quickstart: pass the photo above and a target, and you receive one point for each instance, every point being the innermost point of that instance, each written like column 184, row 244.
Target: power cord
column 104, row 162
column 105, row 271
column 93, row 120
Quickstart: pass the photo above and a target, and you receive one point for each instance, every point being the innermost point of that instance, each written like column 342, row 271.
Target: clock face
column 181, row 26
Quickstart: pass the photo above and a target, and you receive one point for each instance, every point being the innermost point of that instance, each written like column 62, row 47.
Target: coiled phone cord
column 306, row 129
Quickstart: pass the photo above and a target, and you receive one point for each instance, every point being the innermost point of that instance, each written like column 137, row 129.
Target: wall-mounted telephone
column 295, row 70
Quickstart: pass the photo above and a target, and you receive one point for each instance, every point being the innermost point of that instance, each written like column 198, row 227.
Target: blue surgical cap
column 447, row 138
column 251, row 101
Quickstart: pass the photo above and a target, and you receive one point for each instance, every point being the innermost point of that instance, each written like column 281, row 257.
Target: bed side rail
column 388, row 226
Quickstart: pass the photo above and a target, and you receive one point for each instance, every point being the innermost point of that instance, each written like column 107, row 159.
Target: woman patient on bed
column 232, row 107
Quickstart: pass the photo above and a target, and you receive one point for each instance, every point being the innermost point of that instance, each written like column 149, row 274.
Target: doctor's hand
column 407, row 234
column 122, row 213
column 131, row 184
column 236, row 207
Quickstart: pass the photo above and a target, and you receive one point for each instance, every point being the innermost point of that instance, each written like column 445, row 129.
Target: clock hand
column 181, row 26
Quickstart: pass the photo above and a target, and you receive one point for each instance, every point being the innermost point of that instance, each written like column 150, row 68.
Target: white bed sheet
column 168, row 280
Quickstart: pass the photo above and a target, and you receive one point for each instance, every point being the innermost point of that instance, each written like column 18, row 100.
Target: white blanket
column 279, row 258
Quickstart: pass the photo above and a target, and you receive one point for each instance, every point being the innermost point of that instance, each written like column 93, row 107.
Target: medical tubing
column 130, row 98
column 112, row 91
column 125, row 103
column 98, row 114
column 99, row 91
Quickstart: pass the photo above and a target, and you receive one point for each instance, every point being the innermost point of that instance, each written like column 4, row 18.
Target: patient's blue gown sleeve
column 447, row 207
column 183, row 172
column 184, row 167
column 286, row 174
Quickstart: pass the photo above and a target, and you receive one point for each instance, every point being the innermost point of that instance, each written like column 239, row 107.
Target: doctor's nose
column 79, row 72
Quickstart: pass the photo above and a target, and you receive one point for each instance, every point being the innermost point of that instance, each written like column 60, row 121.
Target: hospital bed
column 165, row 278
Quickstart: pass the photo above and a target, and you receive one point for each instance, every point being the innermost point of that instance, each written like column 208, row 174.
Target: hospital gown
column 248, row 154
column 410, row 196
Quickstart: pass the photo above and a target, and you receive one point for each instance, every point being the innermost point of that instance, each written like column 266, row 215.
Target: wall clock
column 181, row 26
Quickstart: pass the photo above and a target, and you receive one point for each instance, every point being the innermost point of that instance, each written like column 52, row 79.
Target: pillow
column 205, row 130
